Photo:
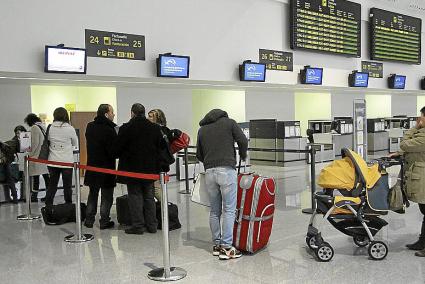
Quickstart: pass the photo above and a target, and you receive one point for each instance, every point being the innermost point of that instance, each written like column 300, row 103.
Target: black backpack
column 7, row 152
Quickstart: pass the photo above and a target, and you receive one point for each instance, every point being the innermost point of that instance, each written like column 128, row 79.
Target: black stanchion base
column 27, row 217
column 74, row 238
column 184, row 192
column 308, row 211
column 158, row 274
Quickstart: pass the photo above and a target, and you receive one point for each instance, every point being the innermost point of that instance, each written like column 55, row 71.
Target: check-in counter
column 377, row 136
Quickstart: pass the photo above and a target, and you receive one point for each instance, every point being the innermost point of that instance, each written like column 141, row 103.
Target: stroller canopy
column 341, row 174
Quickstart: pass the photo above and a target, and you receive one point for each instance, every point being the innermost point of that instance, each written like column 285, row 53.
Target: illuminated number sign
column 276, row 60
column 375, row 69
column 115, row 45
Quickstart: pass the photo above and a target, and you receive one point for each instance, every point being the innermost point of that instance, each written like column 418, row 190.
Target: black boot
column 418, row 245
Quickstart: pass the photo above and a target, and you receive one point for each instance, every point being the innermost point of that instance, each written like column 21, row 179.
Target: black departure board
column 332, row 26
column 395, row 37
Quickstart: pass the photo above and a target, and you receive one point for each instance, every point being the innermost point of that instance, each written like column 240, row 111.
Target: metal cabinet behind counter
column 377, row 137
column 273, row 134
column 342, row 136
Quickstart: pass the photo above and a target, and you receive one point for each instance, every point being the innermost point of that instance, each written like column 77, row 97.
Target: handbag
column 44, row 151
column 181, row 141
column 199, row 191
column 165, row 156
column 62, row 213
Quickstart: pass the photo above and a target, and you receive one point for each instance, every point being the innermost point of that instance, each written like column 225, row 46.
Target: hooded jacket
column 216, row 140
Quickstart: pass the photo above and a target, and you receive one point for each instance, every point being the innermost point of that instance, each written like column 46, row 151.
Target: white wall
column 218, row 35
column 260, row 104
column 342, row 103
column 15, row 105
column 404, row 105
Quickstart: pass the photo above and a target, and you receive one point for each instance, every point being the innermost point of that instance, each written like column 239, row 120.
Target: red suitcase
column 254, row 214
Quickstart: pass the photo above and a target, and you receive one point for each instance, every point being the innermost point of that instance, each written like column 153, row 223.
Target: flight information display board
column 395, row 37
column 332, row 26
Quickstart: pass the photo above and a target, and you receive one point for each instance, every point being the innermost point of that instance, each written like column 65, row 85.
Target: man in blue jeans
column 216, row 149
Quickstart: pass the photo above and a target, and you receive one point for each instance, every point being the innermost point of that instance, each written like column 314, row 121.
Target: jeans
column 53, row 185
column 221, row 183
column 105, row 204
column 142, row 205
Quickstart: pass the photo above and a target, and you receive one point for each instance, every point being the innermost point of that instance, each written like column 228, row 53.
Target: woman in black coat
column 100, row 136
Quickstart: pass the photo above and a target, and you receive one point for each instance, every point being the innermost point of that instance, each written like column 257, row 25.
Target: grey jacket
column 37, row 139
column 216, row 140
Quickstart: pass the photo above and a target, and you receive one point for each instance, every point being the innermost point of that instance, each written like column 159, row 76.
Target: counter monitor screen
column 331, row 26
column 173, row 66
column 395, row 37
column 397, row 82
column 253, row 72
column 359, row 79
column 423, row 84
column 65, row 60
column 312, row 76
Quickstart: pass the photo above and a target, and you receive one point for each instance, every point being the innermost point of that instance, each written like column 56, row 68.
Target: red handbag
column 180, row 143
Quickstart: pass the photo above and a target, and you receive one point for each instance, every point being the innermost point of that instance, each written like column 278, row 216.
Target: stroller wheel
column 378, row 250
column 324, row 252
column 311, row 242
column 361, row 241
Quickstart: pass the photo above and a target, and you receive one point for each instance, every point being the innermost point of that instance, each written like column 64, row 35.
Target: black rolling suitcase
column 123, row 210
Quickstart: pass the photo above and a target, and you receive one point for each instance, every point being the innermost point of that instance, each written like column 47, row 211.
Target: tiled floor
column 31, row 252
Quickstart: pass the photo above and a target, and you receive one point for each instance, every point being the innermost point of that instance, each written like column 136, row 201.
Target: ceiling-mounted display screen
column 332, row 26
column 173, row 66
column 396, row 81
column 252, row 71
column 65, row 60
column 311, row 76
column 358, row 79
column 395, row 37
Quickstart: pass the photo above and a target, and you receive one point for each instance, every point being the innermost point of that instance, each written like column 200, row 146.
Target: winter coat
column 63, row 139
column 413, row 147
column 100, row 137
column 37, row 139
column 137, row 147
column 216, row 140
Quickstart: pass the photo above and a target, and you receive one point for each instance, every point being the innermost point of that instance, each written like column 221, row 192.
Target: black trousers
column 55, row 174
column 142, row 205
column 107, row 198
column 10, row 184
column 36, row 184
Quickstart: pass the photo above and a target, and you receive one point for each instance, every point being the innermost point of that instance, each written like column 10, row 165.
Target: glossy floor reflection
column 31, row 252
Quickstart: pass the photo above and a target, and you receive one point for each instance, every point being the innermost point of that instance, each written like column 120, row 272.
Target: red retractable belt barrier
column 100, row 170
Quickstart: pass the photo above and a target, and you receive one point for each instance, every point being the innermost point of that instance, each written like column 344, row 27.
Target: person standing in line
column 157, row 116
column 216, row 150
column 63, row 139
column 138, row 149
column 100, row 137
column 38, row 134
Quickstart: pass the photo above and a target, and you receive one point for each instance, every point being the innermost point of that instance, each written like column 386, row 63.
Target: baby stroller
column 354, row 197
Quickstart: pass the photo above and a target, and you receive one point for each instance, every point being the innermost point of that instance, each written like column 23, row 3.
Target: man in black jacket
column 100, row 136
column 138, row 148
column 215, row 148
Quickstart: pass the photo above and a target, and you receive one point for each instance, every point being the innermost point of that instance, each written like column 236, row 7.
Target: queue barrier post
column 166, row 273
column 313, row 181
column 186, row 173
column 27, row 185
column 78, row 237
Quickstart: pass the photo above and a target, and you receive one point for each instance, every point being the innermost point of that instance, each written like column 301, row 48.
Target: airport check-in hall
column 259, row 141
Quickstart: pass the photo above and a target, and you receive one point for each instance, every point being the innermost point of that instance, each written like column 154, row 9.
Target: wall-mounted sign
column 115, row 45
column 375, row 69
column 277, row 60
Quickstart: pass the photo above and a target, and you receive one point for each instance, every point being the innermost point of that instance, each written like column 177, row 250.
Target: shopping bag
column 199, row 191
